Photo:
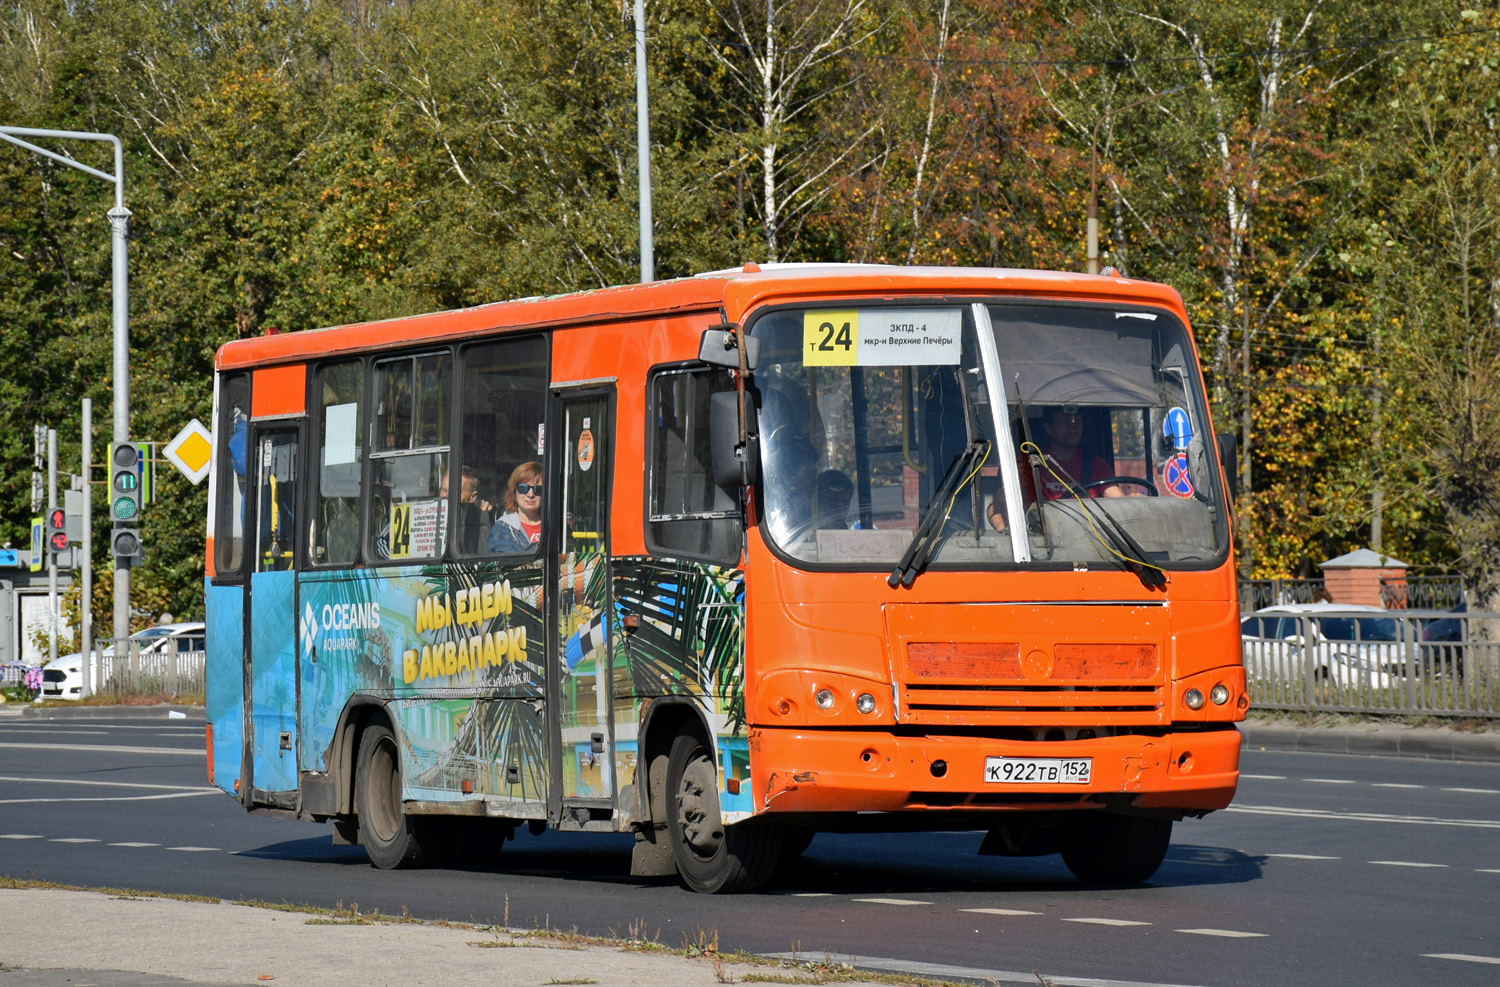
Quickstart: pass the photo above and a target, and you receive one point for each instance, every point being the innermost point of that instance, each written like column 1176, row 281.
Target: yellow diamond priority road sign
column 190, row 451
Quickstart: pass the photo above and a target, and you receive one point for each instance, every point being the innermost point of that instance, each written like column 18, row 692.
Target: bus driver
column 1063, row 451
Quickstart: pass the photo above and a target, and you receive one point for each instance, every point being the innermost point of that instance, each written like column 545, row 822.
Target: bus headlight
column 1219, row 694
column 865, row 703
column 824, row 698
column 1193, row 699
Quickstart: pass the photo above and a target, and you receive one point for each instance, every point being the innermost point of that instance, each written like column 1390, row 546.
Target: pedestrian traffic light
column 56, row 535
column 124, row 482
column 125, row 543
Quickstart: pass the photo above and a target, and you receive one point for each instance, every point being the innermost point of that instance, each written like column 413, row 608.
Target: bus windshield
column 1025, row 433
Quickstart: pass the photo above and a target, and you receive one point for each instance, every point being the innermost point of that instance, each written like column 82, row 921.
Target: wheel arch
column 360, row 714
column 662, row 722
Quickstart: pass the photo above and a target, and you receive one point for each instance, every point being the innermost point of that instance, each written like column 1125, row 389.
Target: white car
column 1339, row 644
column 63, row 678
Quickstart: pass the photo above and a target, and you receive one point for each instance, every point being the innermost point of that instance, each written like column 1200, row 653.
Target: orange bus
column 728, row 561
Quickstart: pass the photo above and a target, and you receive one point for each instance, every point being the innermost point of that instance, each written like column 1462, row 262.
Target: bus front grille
column 968, row 682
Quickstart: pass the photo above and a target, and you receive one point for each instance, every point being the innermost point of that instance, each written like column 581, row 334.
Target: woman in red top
column 520, row 527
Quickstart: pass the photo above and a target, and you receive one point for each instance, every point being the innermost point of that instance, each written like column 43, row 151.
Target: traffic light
column 55, row 538
column 124, row 483
column 125, row 543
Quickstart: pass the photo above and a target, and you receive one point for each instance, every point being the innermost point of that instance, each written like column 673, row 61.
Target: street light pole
column 119, row 222
column 643, row 144
column 1093, row 211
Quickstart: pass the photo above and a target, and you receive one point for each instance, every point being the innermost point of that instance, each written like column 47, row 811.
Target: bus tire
column 1107, row 849
column 391, row 837
column 712, row 858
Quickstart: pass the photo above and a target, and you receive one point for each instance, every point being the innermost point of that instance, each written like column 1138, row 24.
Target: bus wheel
column 711, row 857
column 390, row 836
column 1108, row 849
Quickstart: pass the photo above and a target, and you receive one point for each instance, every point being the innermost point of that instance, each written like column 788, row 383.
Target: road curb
column 1388, row 741
column 190, row 714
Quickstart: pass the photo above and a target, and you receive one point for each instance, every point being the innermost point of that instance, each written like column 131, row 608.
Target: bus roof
column 734, row 291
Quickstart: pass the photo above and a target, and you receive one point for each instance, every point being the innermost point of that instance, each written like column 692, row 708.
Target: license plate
column 1037, row 770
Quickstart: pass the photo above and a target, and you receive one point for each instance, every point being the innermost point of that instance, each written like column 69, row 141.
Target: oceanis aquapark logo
column 337, row 617
column 309, row 629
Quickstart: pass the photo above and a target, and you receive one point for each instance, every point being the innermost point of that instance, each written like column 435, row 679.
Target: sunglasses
column 527, row 488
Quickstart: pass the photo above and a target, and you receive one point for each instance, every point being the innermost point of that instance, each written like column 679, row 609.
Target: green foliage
column 1320, row 188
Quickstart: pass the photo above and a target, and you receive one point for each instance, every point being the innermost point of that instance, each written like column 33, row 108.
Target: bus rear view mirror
column 1229, row 457
column 719, row 347
column 734, row 462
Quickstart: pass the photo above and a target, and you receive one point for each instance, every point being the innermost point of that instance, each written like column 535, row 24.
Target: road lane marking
column 812, row 894
column 1329, row 781
column 1475, row 791
column 108, row 784
column 998, row 911
column 1404, row 863
column 1224, row 933
column 71, row 839
column 1244, row 777
column 1105, row 921
column 196, row 849
column 1302, row 856
column 21, row 836
column 135, row 844
column 892, row 901
column 1487, row 870
column 116, row 798
column 1464, row 957
column 104, row 749
column 1277, row 810
column 943, row 970
column 1392, row 784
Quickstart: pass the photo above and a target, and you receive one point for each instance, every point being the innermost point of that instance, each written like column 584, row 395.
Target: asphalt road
column 1329, row 869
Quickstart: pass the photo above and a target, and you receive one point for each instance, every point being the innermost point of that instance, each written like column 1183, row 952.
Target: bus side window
column 503, row 397
column 410, row 454
column 232, row 429
column 340, row 458
column 687, row 513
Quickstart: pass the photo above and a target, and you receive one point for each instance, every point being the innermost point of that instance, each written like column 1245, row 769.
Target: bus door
column 271, row 629
column 581, row 609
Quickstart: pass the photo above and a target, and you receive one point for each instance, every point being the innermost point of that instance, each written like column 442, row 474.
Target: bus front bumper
column 799, row 770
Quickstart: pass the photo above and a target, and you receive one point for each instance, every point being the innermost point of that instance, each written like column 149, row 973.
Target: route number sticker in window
column 882, row 337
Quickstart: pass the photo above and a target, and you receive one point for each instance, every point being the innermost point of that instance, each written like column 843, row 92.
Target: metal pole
column 643, row 143
column 119, row 221
column 51, row 558
column 87, row 598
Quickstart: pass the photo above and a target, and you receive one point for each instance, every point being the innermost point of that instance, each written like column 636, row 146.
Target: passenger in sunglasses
column 519, row 529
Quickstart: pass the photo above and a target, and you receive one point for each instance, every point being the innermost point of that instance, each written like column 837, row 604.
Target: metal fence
column 1406, row 662
column 1258, row 593
column 1422, row 592
column 1442, row 592
column 134, row 670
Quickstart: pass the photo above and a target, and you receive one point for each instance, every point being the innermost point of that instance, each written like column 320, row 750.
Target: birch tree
column 787, row 62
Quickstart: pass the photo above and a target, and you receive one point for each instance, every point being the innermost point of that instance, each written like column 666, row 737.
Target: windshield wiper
column 963, row 468
column 1125, row 545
